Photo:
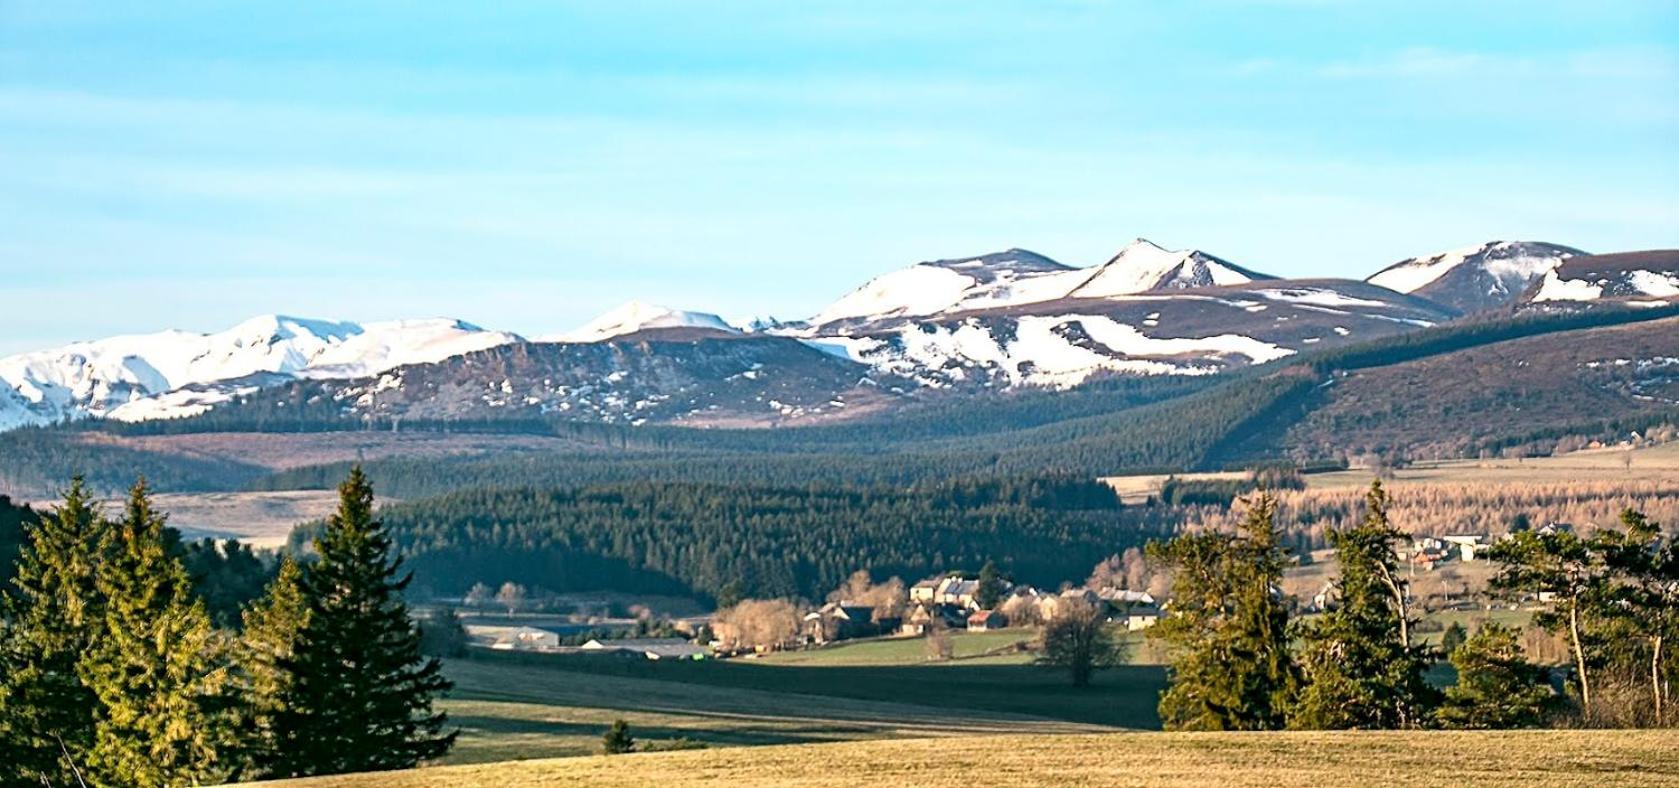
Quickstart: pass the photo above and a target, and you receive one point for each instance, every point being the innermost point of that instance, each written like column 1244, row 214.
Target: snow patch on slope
column 1514, row 263
column 1058, row 351
column 638, row 316
column 1317, row 296
column 1652, row 284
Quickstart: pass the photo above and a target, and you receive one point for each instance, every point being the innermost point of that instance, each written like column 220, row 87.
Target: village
column 1446, row 573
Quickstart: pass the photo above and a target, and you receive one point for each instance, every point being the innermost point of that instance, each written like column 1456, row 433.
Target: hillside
column 1646, row 278
column 1598, row 383
column 1602, row 759
column 1476, row 278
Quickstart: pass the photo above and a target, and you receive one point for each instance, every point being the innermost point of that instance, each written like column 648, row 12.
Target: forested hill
column 771, row 541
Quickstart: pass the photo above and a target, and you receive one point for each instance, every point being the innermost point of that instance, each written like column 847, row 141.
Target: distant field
column 1000, row 647
column 1601, row 759
column 1654, row 463
column 992, row 648
column 1137, row 489
column 260, row 519
column 278, row 451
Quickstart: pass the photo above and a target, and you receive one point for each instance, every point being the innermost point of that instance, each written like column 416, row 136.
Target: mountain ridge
column 1004, row 319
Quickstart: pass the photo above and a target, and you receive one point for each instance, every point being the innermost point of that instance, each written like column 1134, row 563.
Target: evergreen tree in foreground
column 1360, row 668
column 1496, row 687
column 56, row 614
column 1572, row 569
column 272, row 626
column 158, row 669
column 360, row 694
column 1231, row 668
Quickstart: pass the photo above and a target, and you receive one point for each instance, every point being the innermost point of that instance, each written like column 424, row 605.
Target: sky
column 525, row 166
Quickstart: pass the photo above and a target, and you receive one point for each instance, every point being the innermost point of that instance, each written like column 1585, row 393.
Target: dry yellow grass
column 1137, row 489
column 1601, row 759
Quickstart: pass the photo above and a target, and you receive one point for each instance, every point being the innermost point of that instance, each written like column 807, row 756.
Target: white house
column 1470, row 546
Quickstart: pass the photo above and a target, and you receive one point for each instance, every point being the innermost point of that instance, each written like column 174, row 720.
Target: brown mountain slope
column 1528, row 393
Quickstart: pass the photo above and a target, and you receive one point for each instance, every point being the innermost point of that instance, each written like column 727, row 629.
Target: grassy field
column 1122, row 697
column 1000, row 647
column 1602, row 759
column 508, row 712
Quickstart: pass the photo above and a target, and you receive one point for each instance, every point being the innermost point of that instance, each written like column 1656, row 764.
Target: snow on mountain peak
column 639, row 316
column 1016, row 276
column 935, row 286
column 1144, row 265
column 128, row 376
column 1511, row 265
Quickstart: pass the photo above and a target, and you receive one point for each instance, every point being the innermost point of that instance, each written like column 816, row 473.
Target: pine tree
column 990, row 589
column 1572, row 571
column 1496, row 688
column 1645, row 601
column 361, row 692
column 1359, row 666
column 159, row 669
column 272, row 626
column 1453, row 638
column 1231, row 668
column 56, row 614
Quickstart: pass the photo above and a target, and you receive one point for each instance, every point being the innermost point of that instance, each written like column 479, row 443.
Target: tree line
column 760, row 541
column 112, row 671
column 1238, row 661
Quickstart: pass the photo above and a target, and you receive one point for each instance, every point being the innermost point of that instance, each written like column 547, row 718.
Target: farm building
column 986, row 620
column 839, row 621
column 505, row 638
column 651, row 648
column 1470, row 546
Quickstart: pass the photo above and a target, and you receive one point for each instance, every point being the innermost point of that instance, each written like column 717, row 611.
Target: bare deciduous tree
column 511, row 596
column 759, row 624
column 1076, row 639
column 888, row 598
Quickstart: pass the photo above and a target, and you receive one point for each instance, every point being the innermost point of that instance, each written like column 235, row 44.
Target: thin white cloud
column 1635, row 63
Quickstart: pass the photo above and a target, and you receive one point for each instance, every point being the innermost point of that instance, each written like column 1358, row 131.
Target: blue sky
column 527, row 165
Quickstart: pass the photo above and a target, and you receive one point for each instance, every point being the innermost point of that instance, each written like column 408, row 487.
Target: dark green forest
column 693, row 539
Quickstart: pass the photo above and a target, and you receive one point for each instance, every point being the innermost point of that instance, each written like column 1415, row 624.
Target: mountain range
column 1005, row 320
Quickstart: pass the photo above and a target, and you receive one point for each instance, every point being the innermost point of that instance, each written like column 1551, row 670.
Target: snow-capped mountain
column 955, row 285
column 180, row 373
column 1143, row 266
column 1640, row 277
column 638, row 316
column 1013, row 318
column 706, row 378
column 1475, row 278
column 1065, row 343
column 1018, row 277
